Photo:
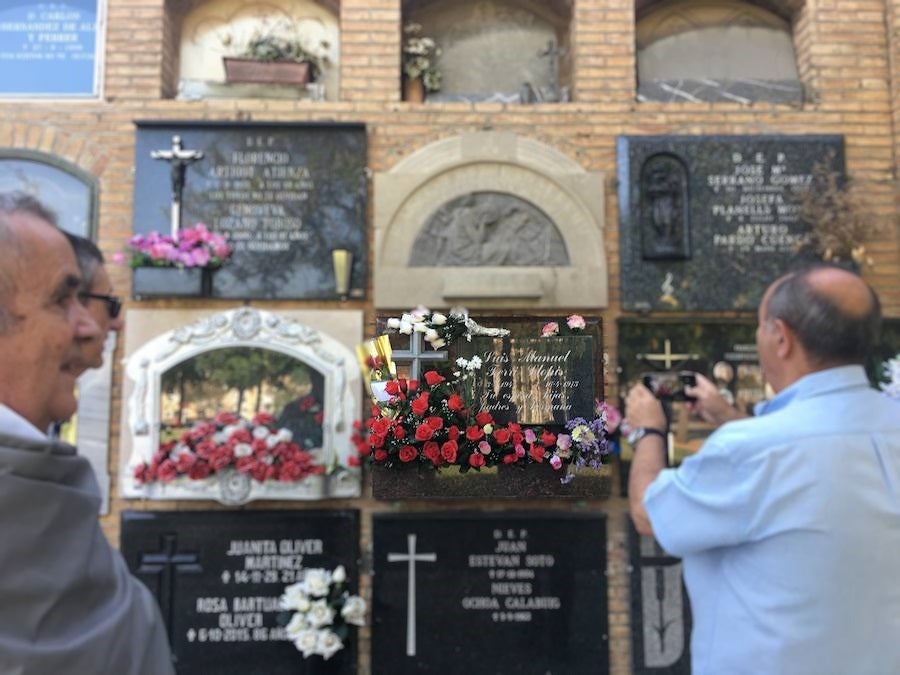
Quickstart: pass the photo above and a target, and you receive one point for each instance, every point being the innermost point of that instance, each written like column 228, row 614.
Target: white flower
column 406, row 318
column 320, row 614
column 354, row 610
column 339, row 575
column 393, row 323
column 437, row 344
column 230, row 429
column 306, row 641
column 260, row 432
column 461, row 362
column 431, row 335
column 406, row 328
column 328, row 644
column 316, row 582
column 474, row 364
column 242, row 450
column 297, row 626
column 294, row 597
column 285, row 435
column 420, row 327
column 438, row 319
column 219, row 437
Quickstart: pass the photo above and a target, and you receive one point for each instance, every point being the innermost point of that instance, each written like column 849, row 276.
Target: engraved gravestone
column 218, row 575
column 707, row 222
column 285, row 195
column 500, row 593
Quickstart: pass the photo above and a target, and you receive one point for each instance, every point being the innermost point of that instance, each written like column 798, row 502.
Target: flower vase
column 413, row 90
column 170, row 282
column 238, row 70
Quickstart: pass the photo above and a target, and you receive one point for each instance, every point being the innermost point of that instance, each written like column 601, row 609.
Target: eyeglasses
column 113, row 303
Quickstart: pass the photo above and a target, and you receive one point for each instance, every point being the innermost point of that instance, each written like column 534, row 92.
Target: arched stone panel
column 572, row 198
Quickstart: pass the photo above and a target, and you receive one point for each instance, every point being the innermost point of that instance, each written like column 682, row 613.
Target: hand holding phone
column 669, row 385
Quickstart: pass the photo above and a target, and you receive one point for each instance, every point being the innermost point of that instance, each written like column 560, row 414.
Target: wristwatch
column 640, row 432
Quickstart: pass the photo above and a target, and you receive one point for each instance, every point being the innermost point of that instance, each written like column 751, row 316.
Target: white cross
column 667, row 357
column 411, row 557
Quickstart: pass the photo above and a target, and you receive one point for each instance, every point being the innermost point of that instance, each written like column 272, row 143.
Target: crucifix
column 412, row 558
column 667, row 357
column 164, row 564
column 179, row 159
column 415, row 355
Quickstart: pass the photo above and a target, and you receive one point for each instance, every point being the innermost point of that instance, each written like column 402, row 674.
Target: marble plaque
column 285, row 195
column 218, row 575
column 707, row 222
column 501, row 593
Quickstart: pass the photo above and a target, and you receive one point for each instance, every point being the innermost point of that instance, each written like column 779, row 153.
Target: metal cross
column 164, row 564
column 667, row 356
column 415, row 355
column 412, row 558
column 179, row 159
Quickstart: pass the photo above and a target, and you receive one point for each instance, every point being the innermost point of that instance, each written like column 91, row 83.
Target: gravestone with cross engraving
column 218, row 575
column 500, row 593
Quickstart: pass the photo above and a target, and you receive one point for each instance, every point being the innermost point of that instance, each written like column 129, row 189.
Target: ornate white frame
column 245, row 327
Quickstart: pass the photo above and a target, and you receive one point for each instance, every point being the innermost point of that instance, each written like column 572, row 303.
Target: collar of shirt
column 13, row 424
column 814, row 384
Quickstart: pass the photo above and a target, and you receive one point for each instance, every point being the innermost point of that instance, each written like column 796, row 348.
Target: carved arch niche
column 200, row 32
column 498, row 49
column 717, row 50
column 486, row 194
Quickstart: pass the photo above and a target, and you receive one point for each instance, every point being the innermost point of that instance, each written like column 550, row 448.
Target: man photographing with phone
column 788, row 523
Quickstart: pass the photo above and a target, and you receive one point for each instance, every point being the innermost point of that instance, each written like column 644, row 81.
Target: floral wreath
column 433, row 421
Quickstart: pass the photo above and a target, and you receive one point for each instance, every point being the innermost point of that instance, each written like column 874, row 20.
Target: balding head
column 835, row 315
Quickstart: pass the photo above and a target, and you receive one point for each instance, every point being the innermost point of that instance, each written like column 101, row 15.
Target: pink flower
column 556, row 462
column 484, row 448
column 550, row 329
column 575, row 322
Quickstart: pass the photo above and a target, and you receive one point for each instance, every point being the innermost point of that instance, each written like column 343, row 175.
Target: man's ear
column 785, row 339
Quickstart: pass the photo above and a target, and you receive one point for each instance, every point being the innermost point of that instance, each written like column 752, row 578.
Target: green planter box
column 170, row 282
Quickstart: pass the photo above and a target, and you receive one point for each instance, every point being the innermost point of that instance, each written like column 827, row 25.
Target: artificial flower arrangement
column 434, row 421
column 890, row 377
column 323, row 611
column 419, row 57
column 255, row 448
column 195, row 246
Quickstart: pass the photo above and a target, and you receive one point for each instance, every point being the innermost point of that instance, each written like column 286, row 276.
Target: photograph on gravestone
column 724, row 351
column 51, row 49
column 707, row 222
column 660, row 609
column 285, row 195
column 500, row 593
column 218, row 576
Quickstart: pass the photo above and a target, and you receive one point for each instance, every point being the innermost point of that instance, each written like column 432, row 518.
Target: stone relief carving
column 488, row 229
column 665, row 228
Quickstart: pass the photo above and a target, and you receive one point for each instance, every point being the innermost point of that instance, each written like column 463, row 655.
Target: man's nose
column 85, row 325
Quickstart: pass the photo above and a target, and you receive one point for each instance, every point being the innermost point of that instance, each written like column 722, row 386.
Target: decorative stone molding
column 501, row 162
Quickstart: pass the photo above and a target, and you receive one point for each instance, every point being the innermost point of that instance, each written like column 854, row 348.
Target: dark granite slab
column 500, row 593
column 707, row 222
column 218, row 574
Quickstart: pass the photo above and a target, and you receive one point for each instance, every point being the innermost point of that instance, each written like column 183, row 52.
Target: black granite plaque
column 660, row 610
column 285, row 195
column 707, row 222
column 536, row 380
column 497, row 593
column 218, row 576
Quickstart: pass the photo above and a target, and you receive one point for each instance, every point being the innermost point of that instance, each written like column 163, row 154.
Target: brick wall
column 847, row 55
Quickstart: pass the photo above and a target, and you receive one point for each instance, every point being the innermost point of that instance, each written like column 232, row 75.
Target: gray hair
column 88, row 257
column 11, row 248
column 828, row 332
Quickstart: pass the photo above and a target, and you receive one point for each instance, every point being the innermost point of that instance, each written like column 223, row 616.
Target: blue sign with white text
column 49, row 48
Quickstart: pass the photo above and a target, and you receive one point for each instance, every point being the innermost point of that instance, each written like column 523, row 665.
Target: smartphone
column 669, row 385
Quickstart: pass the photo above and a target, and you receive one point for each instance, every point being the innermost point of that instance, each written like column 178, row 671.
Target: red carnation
column 199, row 470
column 381, row 455
column 424, row 432
column 455, row 403
column 399, row 432
column 392, row 387
column 433, row 377
column 448, row 451
column 432, row 452
column 548, row 439
column 376, row 440
column 476, row 460
column 413, row 385
column 502, row 436
column 536, row 452
column 510, row 458
column 435, row 422
column 420, row 404
column 453, row 432
column 381, row 426
column 484, row 417
column 167, row 471
column 408, row 453
column 474, row 433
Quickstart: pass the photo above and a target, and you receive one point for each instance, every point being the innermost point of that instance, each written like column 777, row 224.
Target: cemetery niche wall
column 286, row 196
column 238, row 406
column 489, row 220
column 707, row 222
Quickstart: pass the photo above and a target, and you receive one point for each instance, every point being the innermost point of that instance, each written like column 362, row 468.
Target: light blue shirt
column 789, row 528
